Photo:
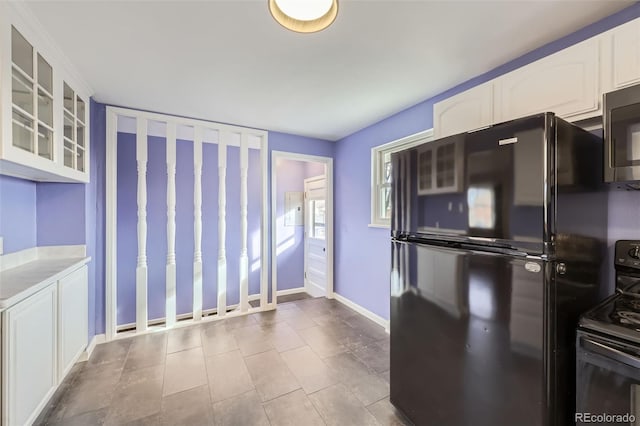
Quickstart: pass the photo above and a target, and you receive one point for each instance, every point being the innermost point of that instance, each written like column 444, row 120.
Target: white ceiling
column 228, row 61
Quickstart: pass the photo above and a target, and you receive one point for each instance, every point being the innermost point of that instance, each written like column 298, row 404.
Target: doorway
column 302, row 226
column 315, row 236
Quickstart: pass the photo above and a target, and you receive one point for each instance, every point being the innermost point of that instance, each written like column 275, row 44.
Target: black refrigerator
column 498, row 244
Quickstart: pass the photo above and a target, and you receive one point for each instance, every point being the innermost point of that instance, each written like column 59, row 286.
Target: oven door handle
column 610, row 352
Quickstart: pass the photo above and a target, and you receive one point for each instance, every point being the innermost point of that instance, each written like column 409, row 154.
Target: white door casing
column 328, row 166
column 315, row 236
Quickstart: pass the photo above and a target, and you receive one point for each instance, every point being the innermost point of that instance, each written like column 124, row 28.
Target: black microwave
column 621, row 121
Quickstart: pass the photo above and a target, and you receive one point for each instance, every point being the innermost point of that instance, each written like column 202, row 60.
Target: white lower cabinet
column 42, row 337
column 29, row 357
column 72, row 318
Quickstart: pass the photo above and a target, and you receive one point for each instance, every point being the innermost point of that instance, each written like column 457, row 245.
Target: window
column 381, row 175
column 317, row 219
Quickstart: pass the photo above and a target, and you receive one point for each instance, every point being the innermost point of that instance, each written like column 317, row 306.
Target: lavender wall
column 362, row 276
column 624, row 221
column 17, row 213
column 60, row 213
column 290, row 175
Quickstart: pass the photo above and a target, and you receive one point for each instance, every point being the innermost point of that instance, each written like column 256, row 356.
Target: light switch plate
column 1, row 245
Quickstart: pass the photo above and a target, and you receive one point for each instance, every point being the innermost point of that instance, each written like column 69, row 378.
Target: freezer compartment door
column 492, row 185
column 467, row 337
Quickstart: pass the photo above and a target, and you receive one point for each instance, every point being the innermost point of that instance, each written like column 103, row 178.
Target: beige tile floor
column 311, row 362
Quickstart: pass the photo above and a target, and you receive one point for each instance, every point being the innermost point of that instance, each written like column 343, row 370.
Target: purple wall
column 363, row 276
column 60, row 213
column 290, row 175
column 17, row 213
column 624, row 221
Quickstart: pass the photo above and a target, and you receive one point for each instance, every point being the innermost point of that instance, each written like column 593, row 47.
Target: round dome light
column 304, row 16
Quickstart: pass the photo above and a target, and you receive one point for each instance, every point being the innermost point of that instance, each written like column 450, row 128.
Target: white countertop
column 22, row 281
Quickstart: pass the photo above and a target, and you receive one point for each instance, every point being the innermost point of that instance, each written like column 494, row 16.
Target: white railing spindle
column 222, row 225
column 171, row 226
column 141, row 267
column 244, row 254
column 197, row 224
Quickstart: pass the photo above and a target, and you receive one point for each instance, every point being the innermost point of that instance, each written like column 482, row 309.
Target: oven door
column 607, row 381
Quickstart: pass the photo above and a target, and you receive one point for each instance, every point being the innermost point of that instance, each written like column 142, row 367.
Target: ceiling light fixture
column 304, row 16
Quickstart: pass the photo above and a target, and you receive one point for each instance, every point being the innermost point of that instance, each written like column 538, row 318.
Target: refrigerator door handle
column 611, row 353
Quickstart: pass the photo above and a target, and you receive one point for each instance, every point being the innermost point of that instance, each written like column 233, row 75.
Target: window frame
column 377, row 171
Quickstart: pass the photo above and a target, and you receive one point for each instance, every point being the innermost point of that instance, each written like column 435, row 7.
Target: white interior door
column 315, row 246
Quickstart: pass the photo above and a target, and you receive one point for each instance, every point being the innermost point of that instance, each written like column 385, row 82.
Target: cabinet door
column 565, row 83
column 626, row 54
column 72, row 319
column 29, row 357
column 466, row 111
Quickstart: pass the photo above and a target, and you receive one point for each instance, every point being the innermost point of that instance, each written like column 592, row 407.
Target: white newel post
column 171, row 226
column 141, row 268
column 222, row 226
column 197, row 223
column 244, row 253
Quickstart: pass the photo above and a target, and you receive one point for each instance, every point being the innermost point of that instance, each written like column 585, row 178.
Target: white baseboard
column 363, row 311
column 291, row 291
column 96, row 340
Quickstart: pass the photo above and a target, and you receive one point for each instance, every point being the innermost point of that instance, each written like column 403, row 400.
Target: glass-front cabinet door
column 31, row 97
column 74, row 129
column 44, row 116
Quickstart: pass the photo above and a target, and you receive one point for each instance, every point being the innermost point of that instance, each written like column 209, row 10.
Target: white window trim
column 377, row 154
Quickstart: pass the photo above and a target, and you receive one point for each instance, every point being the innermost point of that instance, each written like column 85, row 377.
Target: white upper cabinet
column 465, row 111
column 44, row 114
column 624, row 58
column 566, row 83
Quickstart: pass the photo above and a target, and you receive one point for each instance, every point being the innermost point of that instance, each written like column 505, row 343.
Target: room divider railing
column 200, row 132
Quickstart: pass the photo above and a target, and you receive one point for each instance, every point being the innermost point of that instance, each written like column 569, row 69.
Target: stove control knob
column 635, row 252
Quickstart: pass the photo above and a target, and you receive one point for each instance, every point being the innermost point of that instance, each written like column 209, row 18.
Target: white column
column 112, row 223
column 244, row 253
column 264, row 222
column 141, row 268
column 197, row 224
column 170, row 300
column 222, row 225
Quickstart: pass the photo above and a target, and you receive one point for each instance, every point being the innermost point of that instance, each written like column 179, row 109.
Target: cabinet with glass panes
column 440, row 168
column 44, row 116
